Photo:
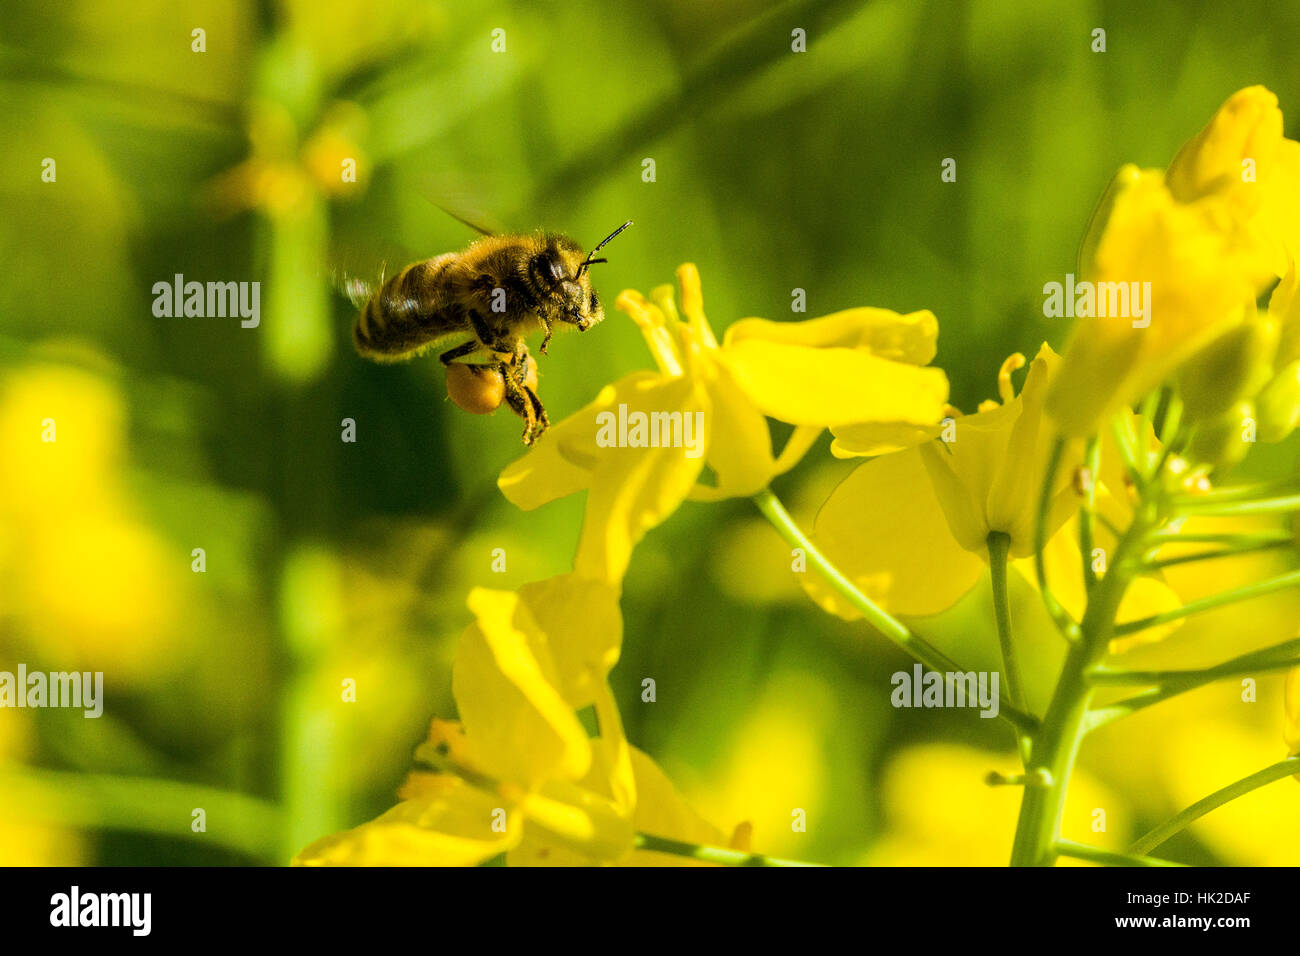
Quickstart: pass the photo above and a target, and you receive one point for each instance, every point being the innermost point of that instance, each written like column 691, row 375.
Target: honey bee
column 493, row 294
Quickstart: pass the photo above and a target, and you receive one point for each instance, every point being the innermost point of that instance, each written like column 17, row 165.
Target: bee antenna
column 591, row 260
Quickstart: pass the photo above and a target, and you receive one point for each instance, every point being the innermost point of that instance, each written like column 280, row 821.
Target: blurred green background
column 328, row 560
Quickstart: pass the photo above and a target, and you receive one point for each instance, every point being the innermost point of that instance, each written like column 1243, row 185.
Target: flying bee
column 490, row 296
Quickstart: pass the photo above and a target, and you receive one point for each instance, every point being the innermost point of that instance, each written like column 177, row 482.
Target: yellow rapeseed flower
column 911, row 528
column 712, row 400
column 519, row 773
column 1208, row 236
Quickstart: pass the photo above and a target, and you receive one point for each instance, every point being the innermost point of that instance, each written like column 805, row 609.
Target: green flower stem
column 1056, row 744
column 1256, row 490
column 1126, row 442
column 711, row 854
column 1209, row 505
column 1170, row 429
column 999, row 546
column 1215, row 553
column 1268, row 586
column 1217, row 799
column 1174, row 683
column 1245, row 664
column 234, row 821
column 1087, row 513
column 891, row 627
column 1226, row 540
column 1081, row 851
column 1064, row 623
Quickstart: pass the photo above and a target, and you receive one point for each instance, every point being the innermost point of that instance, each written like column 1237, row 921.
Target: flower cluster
column 1092, row 479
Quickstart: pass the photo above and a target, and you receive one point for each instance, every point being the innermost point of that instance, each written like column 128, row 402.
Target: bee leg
column 519, row 363
column 524, row 403
column 520, row 366
column 550, row 330
column 488, row 338
column 460, row 351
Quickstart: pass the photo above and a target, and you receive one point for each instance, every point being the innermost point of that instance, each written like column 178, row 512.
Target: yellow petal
column 580, row 820
column 869, row 439
column 662, row 811
column 634, row 489
column 1247, row 126
column 562, row 461
column 582, row 628
column 796, row 446
column 740, row 444
column 883, row 527
column 505, row 683
column 911, row 339
column 804, row 385
column 1014, row 494
column 455, row 827
column 1145, row 598
column 1202, row 272
column 958, row 478
column 1242, row 160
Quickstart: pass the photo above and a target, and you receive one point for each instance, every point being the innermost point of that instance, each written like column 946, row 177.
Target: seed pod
column 477, row 389
column 1279, row 404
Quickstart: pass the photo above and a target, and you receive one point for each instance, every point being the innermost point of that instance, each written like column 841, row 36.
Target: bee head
column 560, row 271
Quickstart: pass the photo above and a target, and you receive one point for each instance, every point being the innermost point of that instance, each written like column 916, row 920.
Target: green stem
column 1057, row 743
column 1227, row 540
column 1174, row 683
column 1064, row 623
column 1256, row 490
column 1246, row 664
column 1268, row 586
column 999, row 544
column 1126, row 442
column 1087, row 513
column 1081, row 851
column 885, row 623
column 234, row 821
column 1162, row 563
column 1200, row 808
column 1209, row 505
column 711, row 854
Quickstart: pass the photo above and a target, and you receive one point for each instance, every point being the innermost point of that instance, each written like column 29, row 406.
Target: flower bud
column 1234, row 366
column 1126, row 177
column 1223, row 441
column 1278, row 405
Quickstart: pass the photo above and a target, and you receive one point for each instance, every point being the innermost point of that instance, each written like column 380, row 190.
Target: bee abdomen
column 410, row 311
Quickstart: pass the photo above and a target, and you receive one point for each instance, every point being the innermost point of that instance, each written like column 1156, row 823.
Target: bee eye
column 548, row 269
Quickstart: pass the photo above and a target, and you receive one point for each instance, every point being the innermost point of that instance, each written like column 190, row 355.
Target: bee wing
column 358, row 291
column 459, row 204
column 359, row 263
column 360, row 260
